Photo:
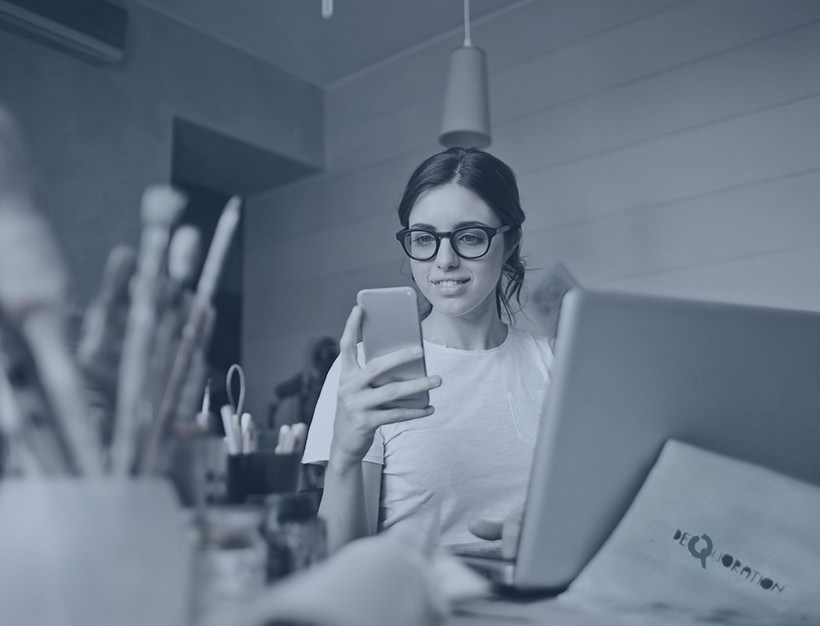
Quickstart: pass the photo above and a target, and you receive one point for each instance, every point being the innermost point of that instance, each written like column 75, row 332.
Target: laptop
column 632, row 371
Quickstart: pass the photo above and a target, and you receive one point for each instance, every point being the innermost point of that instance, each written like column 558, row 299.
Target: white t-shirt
column 470, row 458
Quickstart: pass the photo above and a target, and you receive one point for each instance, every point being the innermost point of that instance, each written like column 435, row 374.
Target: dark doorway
column 203, row 210
column 210, row 167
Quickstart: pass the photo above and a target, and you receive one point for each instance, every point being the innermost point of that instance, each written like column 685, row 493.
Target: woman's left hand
column 508, row 530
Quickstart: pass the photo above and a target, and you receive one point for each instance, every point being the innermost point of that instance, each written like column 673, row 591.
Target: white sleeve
column 320, row 435
column 317, row 446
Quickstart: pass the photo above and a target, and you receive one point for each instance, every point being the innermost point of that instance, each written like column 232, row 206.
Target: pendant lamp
column 466, row 119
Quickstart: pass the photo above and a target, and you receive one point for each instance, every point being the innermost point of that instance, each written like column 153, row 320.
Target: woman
column 467, row 456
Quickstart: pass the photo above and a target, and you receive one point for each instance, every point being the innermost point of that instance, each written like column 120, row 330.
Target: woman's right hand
column 357, row 410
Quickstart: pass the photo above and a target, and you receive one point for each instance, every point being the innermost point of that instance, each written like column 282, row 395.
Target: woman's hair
column 494, row 182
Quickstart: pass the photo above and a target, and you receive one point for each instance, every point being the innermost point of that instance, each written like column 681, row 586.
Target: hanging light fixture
column 466, row 119
column 327, row 9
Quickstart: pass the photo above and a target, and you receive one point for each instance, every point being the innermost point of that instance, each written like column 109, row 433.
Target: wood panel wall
column 662, row 146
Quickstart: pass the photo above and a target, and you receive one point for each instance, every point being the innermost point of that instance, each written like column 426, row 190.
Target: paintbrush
column 26, row 421
column 161, row 207
column 100, row 342
column 183, row 262
column 34, row 285
column 17, row 453
column 192, row 331
column 190, row 395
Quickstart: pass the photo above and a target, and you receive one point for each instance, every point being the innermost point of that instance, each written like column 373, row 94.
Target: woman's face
column 457, row 287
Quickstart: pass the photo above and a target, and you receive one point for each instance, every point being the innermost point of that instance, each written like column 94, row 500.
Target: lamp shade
column 466, row 119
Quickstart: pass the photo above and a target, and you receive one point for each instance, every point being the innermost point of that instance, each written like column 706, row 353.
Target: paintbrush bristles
column 32, row 269
column 161, row 206
column 218, row 249
column 184, row 253
column 32, row 272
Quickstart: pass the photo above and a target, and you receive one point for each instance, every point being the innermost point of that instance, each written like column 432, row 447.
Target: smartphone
column 390, row 322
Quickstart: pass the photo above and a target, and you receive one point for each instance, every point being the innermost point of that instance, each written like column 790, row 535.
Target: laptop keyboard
column 481, row 550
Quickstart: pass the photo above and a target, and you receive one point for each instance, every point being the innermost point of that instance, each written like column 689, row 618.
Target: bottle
column 296, row 537
column 229, row 560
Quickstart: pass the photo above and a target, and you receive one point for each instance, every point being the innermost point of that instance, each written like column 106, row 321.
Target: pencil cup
column 261, row 473
column 95, row 551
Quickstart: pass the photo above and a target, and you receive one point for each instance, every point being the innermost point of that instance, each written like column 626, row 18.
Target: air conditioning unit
column 91, row 29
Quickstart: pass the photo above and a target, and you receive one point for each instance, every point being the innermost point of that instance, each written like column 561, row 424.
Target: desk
column 504, row 612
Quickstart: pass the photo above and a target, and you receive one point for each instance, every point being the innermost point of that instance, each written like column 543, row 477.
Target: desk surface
column 503, row 611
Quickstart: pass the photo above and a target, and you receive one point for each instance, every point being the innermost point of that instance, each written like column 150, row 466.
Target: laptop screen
column 631, row 372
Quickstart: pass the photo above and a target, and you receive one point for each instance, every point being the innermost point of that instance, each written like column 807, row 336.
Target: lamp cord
column 467, row 41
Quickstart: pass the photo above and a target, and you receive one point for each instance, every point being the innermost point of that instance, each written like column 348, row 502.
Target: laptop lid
column 631, row 372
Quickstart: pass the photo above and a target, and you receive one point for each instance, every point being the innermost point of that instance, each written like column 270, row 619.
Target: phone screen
column 390, row 322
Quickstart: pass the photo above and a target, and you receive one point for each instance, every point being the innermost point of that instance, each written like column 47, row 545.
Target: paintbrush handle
column 161, row 206
column 46, row 336
column 218, row 250
column 27, row 418
column 191, row 334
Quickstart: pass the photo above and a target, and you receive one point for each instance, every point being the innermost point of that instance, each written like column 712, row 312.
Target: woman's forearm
column 345, row 502
column 352, row 487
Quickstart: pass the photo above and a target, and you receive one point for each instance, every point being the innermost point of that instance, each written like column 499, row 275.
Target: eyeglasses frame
column 489, row 230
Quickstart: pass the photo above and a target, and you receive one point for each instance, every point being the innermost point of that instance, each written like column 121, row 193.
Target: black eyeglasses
column 468, row 242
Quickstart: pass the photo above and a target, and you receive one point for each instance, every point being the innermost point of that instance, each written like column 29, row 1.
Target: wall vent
column 91, row 29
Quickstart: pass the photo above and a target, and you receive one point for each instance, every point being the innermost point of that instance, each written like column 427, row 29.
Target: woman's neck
column 481, row 333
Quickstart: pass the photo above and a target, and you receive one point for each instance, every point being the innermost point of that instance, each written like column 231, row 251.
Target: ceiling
column 293, row 35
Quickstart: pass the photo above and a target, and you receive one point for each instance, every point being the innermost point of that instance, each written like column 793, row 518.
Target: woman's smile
column 450, row 286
